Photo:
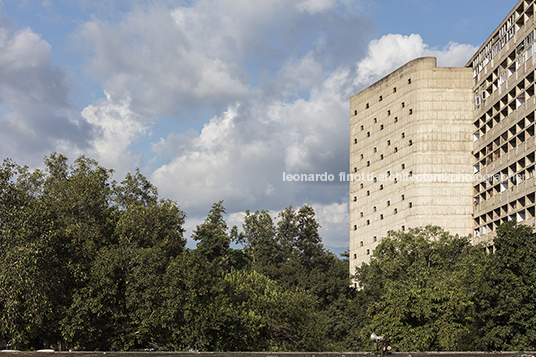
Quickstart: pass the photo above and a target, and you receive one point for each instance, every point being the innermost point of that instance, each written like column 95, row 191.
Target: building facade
column 411, row 138
column 453, row 147
column 504, row 142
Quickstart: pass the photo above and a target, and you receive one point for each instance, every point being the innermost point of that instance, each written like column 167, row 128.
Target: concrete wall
column 410, row 132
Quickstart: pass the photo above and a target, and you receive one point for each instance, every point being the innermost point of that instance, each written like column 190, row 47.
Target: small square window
column 361, row 214
column 374, row 208
column 411, row 111
column 388, row 142
column 410, row 142
column 361, row 243
column 388, row 203
column 374, row 239
column 403, row 166
column 368, row 222
column 410, row 205
column 388, row 112
column 361, row 156
column 355, row 227
column 396, row 180
column 367, row 106
column 355, row 169
column 409, row 80
column 361, row 185
column 368, row 251
column 381, row 216
column 355, row 198
column 368, row 193
column 355, row 141
column 381, row 187
column 375, row 179
column 388, row 173
column 355, row 112
column 403, row 135
column 403, row 228
column 381, row 98
column 375, row 150
column 403, row 104
column 381, row 127
column 368, row 134
column 362, row 128
column 396, row 119
column 396, row 211
column 375, row 120
column 410, row 173
column 381, row 157
column 403, row 197
column 368, row 164
column 394, row 90
column 355, row 257
column 396, row 149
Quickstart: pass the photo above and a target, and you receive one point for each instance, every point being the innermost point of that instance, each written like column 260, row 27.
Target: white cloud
column 314, row 6
column 334, row 222
column 117, row 127
column 36, row 116
column 393, row 50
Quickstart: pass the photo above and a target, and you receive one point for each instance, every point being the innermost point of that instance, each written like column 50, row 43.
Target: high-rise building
column 504, row 142
column 452, row 147
column 411, row 136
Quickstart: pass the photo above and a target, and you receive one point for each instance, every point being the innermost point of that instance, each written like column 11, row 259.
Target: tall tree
column 507, row 293
column 423, row 291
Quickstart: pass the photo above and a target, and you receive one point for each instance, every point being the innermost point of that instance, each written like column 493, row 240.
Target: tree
column 212, row 237
column 507, row 294
column 120, row 305
column 255, row 314
column 53, row 222
column 422, row 288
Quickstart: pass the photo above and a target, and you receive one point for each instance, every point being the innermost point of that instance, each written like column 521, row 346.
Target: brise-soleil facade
column 452, row 147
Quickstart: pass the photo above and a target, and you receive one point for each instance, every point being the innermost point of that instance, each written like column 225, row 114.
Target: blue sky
column 216, row 99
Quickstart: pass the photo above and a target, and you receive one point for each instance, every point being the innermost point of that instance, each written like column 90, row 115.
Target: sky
column 216, row 99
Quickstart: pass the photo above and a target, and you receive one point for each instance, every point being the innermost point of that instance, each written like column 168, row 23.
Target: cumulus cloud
column 393, row 50
column 240, row 156
column 35, row 111
column 116, row 128
column 334, row 219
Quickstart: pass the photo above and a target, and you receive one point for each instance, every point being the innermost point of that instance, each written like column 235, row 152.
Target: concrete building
column 411, row 138
column 453, row 147
column 504, row 142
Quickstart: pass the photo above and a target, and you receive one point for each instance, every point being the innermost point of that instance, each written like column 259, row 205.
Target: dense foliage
column 102, row 265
